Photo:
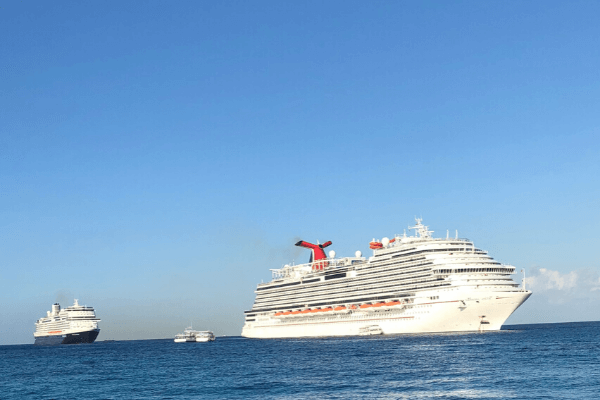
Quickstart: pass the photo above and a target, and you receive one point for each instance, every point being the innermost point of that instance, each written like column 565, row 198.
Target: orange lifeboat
column 392, row 303
column 296, row 312
column 392, row 240
column 308, row 310
column 327, row 309
column 278, row 314
column 353, row 307
column 366, row 306
column 286, row 313
column 375, row 245
column 340, row 308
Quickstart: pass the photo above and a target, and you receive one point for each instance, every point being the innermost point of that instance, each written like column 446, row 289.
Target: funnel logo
column 316, row 254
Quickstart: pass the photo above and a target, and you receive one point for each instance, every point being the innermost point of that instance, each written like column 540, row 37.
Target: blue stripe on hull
column 49, row 340
column 72, row 338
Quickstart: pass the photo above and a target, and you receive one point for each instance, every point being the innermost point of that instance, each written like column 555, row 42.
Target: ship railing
column 302, row 270
column 327, row 263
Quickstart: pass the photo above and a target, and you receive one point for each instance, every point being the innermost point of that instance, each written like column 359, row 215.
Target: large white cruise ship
column 71, row 325
column 411, row 284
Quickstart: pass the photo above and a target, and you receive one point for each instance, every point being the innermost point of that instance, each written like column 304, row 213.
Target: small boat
column 370, row 330
column 190, row 335
column 205, row 336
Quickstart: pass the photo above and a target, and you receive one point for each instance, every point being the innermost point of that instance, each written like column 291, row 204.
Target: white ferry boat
column 205, row 336
column 411, row 284
column 71, row 325
column 190, row 335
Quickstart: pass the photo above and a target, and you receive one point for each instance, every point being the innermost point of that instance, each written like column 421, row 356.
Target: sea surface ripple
column 543, row 361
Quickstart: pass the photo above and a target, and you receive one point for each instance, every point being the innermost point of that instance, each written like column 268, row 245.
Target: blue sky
column 156, row 159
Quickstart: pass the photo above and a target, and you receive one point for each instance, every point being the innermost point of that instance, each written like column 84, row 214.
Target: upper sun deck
column 400, row 245
column 308, row 270
column 77, row 309
column 422, row 239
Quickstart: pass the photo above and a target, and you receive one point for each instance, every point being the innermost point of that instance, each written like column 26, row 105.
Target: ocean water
column 547, row 361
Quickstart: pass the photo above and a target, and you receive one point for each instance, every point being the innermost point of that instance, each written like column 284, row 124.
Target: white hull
column 411, row 284
column 459, row 311
column 191, row 336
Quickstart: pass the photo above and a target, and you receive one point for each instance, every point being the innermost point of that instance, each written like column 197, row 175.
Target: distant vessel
column 71, row 325
column 190, row 335
column 411, row 284
column 205, row 336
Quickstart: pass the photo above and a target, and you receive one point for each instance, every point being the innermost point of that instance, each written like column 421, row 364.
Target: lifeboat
column 366, row 306
column 392, row 303
column 375, row 245
column 308, row 310
column 326, row 309
column 296, row 312
column 340, row 308
column 353, row 307
column 392, row 240
column 286, row 313
column 278, row 314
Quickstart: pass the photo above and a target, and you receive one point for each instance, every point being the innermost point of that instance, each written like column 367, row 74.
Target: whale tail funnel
column 316, row 254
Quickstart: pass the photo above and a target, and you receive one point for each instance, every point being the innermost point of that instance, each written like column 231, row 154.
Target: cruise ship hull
column 71, row 338
column 460, row 312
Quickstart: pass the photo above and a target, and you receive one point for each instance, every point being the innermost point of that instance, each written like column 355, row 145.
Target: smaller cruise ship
column 190, row 335
column 72, row 325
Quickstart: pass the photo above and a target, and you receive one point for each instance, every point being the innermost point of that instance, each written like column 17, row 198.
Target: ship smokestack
column 317, row 253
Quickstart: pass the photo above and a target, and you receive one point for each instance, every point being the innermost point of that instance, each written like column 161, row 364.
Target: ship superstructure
column 71, row 325
column 190, row 335
column 410, row 284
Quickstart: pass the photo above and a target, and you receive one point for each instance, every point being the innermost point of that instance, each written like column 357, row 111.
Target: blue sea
column 544, row 361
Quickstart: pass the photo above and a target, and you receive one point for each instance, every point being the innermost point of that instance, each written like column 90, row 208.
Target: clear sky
column 157, row 158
